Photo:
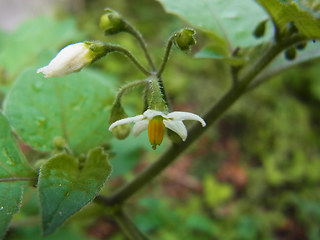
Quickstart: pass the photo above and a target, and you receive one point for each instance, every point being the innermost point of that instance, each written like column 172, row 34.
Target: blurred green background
column 253, row 175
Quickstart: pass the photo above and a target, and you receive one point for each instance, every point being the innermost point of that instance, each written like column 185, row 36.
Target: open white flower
column 71, row 58
column 156, row 122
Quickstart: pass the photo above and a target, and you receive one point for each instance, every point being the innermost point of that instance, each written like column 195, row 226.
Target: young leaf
column 74, row 107
column 12, row 165
column 64, row 189
column 232, row 20
column 297, row 13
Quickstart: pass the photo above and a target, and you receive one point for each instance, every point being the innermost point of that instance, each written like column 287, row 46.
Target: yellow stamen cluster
column 156, row 129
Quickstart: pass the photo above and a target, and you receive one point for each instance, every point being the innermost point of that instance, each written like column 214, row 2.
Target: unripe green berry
column 260, row 29
column 121, row 132
column 290, row 53
column 117, row 113
column 301, row 46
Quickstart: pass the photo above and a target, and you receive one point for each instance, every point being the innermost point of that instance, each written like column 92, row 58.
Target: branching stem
column 116, row 48
column 210, row 117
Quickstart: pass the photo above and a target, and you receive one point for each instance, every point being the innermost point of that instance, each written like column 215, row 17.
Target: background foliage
column 254, row 175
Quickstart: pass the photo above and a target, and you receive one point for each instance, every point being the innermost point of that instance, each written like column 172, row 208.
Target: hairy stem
column 115, row 48
column 166, row 56
column 138, row 36
column 128, row 227
column 124, row 89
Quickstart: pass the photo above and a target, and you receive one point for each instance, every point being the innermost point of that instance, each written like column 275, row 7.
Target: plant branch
column 130, row 29
column 115, row 48
column 271, row 72
column 127, row 226
column 145, row 176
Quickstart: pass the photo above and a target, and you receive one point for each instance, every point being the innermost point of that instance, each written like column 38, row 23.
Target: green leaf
column 232, row 21
column 304, row 16
column 64, row 188
column 74, row 107
column 32, row 37
column 12, row 164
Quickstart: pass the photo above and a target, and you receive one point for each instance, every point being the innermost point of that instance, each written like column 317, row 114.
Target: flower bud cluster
column 156, row 119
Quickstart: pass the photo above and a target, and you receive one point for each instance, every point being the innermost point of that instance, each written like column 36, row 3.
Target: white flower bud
column 71, row 58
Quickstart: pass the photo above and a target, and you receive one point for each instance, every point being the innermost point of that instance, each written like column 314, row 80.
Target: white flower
column 156, row 122
column 71, row 58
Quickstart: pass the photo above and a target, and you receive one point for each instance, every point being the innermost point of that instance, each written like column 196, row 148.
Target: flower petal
column 126, row 120
column 179, row 116
column 71, row 58
column 152, row 113
column 140, row 126
column 178, row 127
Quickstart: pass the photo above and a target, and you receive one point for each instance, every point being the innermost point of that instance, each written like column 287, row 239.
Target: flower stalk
column 166, row 56
column 134, row 32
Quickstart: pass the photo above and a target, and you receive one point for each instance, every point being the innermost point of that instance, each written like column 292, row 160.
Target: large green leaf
column 230, row 20
column 12, row 165
column 32, row 37
column 64, row 188
column 75, row 107
column 304, row 16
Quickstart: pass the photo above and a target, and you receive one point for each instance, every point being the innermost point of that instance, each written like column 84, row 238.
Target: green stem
column 210, row 117
column 130, row 29
column 124, row 89
column 166, row 56
column 115, row 48
column 128, row 227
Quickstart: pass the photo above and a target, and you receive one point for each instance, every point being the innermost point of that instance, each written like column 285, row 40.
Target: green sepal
column 155, row 97
column 98, row 49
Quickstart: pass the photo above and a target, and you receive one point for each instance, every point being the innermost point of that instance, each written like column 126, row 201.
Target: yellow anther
column 156, row 129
